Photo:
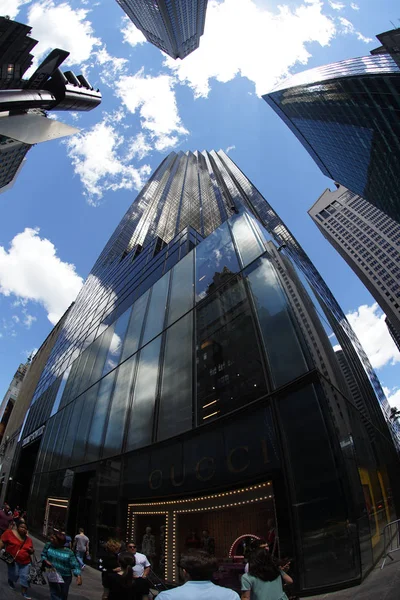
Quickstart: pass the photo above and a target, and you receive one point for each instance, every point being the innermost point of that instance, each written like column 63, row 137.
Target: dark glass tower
column 194, row 377
column 174, row 26
column 347, row 116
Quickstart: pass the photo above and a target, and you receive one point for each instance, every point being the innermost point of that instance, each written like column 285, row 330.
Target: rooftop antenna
column 394, row 26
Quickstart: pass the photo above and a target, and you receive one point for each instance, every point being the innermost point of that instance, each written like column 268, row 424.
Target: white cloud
column 61, row 26
column 10, row 8
column 369, row 324
column 354, row 6
column 393, row 396
column 114, row 66
column 31, row 270
column 15, row 318
column 336, row 5
column 28, row 319
column 348, row 28
column 229, row 148
column 97, row 159
column 139, row 147
column 154, row 99
column 130, row 33
column 243, row 38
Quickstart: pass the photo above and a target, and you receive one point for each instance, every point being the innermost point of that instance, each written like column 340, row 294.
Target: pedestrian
column 5, row 518
column 68, row 540
column 198, row 568
column 18, row 543
column 63, row 563
column 108, row 561
column 264, row 581
column 123, row 585
column 81, row 547
column 142, row 565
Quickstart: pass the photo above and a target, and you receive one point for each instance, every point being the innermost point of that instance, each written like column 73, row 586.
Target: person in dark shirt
column 123, row 585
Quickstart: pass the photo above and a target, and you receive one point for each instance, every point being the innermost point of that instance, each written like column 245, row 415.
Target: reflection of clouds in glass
column 217, row 255
column 265, row 273
column 115, row 345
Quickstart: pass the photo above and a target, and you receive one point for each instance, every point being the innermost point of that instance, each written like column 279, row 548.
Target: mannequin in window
column 149, row 544
column 207, row 543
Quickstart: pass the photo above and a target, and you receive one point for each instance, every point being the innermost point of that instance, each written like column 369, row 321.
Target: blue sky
column 71, row 194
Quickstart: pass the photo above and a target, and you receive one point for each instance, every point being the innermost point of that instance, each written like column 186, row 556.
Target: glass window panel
column 119, row 407
column 62, row 430
column 175, row 415
column 116, row 343
column 87, row 402
column 99, row 417
column 215, row 258
column 248, row 244
column 229, row 368
column 278, row 331
column 132, row 337
column 156, row 312
column 182, row 286
column 60, row 392
column 73, row 424
column 104, row 344
column 141, row 420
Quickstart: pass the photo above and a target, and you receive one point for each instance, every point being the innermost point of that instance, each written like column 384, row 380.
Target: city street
column 90, row 590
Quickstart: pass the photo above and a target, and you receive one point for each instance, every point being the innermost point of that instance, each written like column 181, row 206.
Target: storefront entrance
column 225, row 524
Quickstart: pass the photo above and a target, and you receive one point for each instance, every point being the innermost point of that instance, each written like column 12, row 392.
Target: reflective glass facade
column 195, row 378
column 347, row 116
column 174, row 26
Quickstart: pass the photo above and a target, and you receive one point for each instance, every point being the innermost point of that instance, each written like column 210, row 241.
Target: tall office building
column 194, row 378
column 174, row 27
column 347, row 116
column 24, row 102
column 15, row 52
column 11, row 395
column 368, row 240
column 390, row 41
column 12, row 154
column 394, row 332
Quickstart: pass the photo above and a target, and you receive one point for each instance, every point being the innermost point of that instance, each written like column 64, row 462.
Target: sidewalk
column 90, row 590
column 379, row 585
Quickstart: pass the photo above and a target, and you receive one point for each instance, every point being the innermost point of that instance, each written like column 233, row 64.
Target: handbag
column 53, row 576
column 35, row 575
column 9, row 558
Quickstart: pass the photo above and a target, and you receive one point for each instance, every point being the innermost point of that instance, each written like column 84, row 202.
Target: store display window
column 55, row 516
column 227, row 524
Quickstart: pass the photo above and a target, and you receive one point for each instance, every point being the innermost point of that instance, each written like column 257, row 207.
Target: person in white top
column 198, row 568
column 142, row 566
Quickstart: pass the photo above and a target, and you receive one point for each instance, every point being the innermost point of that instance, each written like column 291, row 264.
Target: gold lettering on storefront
column 172, row 476
column 237, row 461
column 158, row 483
column 199, row 467
column 231, row 455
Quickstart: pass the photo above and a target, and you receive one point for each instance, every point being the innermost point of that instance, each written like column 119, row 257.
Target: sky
column 72, row 193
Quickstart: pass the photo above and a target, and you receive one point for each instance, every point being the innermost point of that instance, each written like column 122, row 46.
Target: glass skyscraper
column 194, row 387
column 174, row 26
column 368, row 240
column 347, row 116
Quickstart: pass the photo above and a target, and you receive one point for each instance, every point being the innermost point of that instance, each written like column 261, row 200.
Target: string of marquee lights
column 201, row 498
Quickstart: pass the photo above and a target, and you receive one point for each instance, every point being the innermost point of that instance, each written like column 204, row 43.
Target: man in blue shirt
column 198, row 568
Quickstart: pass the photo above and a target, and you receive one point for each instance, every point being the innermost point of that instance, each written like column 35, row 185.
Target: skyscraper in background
column 347, row 116
column 174, row 27
column 194, row 376
column 390, row 41
column 24, row 102
column 368, row 240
